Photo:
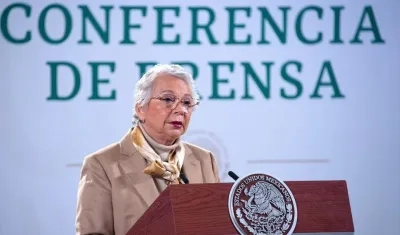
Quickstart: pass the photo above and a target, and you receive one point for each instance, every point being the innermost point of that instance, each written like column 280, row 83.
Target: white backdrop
column 355, row 138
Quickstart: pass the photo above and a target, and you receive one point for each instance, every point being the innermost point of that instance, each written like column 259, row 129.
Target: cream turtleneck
column 162, row 150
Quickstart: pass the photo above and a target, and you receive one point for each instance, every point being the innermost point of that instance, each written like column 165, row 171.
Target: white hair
column 143, row 88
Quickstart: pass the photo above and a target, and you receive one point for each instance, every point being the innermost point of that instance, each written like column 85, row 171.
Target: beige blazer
column 113, row 192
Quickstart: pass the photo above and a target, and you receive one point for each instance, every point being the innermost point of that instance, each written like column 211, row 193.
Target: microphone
column 233, row 175
column 183, row 178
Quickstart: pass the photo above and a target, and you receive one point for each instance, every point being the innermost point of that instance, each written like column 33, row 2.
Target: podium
column 323, row 207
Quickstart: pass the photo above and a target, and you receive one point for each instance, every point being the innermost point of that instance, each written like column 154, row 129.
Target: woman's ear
column 140, row 112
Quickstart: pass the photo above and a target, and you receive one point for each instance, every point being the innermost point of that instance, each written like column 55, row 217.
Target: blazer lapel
column 192, row 167
column 132, row 164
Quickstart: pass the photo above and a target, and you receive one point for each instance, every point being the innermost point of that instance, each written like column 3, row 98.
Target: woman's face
column 166, row 118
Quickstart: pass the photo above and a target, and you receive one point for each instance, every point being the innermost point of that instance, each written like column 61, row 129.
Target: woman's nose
column 180, row 108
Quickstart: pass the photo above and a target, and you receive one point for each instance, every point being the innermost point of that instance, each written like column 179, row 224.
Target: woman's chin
column 175, row 132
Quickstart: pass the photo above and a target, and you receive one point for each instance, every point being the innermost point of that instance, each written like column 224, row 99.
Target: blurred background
column 301, row 90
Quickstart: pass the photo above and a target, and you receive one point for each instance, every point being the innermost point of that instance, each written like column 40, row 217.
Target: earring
column 142, row 121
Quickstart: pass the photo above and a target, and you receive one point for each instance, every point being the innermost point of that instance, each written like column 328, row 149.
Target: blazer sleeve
column 215, row 169
column 94, row 205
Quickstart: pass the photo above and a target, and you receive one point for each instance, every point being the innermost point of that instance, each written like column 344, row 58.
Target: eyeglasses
column 172, row 101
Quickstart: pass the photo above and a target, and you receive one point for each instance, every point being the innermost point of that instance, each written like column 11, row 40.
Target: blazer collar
column 132, row 164
column 192, row 167
column 126, row 146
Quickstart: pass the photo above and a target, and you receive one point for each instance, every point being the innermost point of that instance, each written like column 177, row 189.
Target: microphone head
column 233, row 175
column 183, row 178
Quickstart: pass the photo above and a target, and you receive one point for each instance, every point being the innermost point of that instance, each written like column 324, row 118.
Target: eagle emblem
column 260, row 204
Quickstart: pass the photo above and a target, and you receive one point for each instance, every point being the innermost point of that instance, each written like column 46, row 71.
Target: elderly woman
column 119, row 182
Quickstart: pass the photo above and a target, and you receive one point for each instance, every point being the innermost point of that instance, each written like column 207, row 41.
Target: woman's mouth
column 176, row 124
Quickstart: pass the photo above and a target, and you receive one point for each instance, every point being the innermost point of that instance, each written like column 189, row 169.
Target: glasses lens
column 188, row 102
column 172, row 101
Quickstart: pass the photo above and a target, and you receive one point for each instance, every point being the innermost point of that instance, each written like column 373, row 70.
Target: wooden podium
column 323, row 207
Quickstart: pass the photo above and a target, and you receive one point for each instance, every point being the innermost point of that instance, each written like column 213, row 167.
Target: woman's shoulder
column 198, row 151
column 104, row 155
column 113, row 151
column 195, row 148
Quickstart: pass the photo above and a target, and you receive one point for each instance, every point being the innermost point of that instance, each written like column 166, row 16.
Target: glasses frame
column 180, row 100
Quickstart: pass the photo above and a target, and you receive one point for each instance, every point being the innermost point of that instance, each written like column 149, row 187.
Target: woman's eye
column 168, row 99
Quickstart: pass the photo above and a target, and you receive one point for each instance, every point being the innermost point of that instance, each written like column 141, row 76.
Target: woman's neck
column 159, row 146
